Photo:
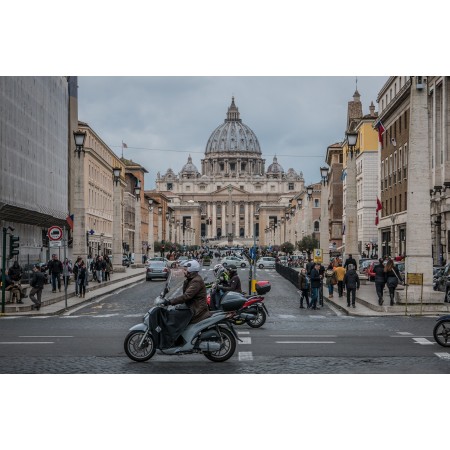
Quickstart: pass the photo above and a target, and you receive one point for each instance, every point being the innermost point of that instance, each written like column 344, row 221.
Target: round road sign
column 55, row 233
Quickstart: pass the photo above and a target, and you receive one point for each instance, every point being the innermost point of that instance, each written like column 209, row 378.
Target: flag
column 343, row 174
column 379, row 208
column 380, row 127
column 69, row 220
column 124, row 145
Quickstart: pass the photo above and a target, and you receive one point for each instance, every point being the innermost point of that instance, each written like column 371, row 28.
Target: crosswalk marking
column 245, row 356
column 445, row 356
column 305, row 342
column 404, row 333
column 245, row 340
column 423, row 341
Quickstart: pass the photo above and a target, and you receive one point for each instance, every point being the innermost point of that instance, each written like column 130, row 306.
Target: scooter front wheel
column 227, row 348
column 260, row 319
column 441, row 333
column 136, row 349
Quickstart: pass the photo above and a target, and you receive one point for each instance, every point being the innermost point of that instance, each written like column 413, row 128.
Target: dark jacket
column 55, row 266
column 303, row 281
column 233, row 285
column 315, row 278
column 194, row 295
column 15, row 272
column 351, row 279
column 380, row 274
column 350, row 261
column 309, row 267
column 392, row 278
column 37, row 280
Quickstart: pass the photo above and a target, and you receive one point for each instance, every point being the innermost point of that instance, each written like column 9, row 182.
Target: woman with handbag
column 392, row 279
column 330, row 279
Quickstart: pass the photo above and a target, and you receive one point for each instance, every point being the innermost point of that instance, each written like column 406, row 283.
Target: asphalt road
column 89, row 339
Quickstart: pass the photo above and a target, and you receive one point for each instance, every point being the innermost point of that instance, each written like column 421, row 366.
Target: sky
column 163, row 120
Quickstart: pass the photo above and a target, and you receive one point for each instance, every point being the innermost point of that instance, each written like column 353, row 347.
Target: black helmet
column 232, row 268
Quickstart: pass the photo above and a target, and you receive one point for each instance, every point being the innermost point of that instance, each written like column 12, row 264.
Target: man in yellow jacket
column 340, row 274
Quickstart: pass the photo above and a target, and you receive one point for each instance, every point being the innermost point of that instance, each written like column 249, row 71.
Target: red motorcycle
column 253, row 311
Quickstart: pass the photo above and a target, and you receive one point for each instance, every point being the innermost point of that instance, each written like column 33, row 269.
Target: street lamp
column 150, row 203
column 79, row 137
column 352, row 138
column 299, row 204
column 137, row 190
column 324, row 174
column 309, row 191
column 116, row 173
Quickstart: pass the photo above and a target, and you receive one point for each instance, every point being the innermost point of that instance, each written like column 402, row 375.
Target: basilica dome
column 233, row 136
column 275, row 168
column 189, row 167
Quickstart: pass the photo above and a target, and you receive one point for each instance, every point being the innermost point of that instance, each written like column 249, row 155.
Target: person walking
column 76, row 269
column 351, row 281
column 352, row 261
column 55, row 269
column 98, row 268
column 109, row 268
column 66, row 272
column 82, row 279
column 340, row 274
column 330, row 280
column 392, row 279
column 315, row 286
column 304, row 285
column 380, row 280
column 37, row 285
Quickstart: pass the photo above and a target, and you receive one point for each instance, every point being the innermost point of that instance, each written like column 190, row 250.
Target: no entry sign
column 55, row 233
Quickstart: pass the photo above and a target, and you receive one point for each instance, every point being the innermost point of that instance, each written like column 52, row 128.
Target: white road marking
column 243, row 332
column 286, row 316
column 303, row 335
column 70, row 317
column 445, row 356
column 305, row 342
column 245, row 356
column 423, row 341
column 245, row 340
column 104, row 315
column 46, row 336
column 411, row 336
column 26, row 343
column 9, row 317
column 404, row 333
column 317, row 317
column 134, row 315
column 40, row 317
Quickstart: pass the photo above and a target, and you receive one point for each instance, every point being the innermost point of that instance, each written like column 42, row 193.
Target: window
column 218, row 187
column 169, row 186
column 406, row 120
column 291, row 186
column 241, row 187
column 203, row 188
column 243, row 166
column 233, row 167
column 272, row 188
column 221, row 167
column 400, row 202
column 316, row 225
column 188, row 188
column 316, row 203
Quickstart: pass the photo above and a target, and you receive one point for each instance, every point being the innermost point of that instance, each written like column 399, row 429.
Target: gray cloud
column 164, row 119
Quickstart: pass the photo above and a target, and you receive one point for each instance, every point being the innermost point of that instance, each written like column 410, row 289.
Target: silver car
column 157, row 269
column 238, row 262
column 266, row 262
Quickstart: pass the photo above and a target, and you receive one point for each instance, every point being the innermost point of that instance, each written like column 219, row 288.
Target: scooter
column 441, row 331
column 213, row 337
column 253, row 311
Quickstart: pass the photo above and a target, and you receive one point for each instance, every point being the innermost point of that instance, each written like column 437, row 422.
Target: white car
column 238, row 262
column 266, row 262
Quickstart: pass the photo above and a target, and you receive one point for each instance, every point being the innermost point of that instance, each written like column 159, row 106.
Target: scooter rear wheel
column 441, row 333
column 260, row 319
column 136, row 352
column 227, row 349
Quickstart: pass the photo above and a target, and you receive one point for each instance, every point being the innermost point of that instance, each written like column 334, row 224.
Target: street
column 89, row 339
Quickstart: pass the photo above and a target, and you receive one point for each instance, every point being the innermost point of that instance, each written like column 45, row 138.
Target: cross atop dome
column 233, row 112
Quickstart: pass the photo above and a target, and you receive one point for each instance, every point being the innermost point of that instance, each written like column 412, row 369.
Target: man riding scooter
column 234, row 282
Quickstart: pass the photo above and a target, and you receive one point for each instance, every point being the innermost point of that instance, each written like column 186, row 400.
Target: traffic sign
column 318, row 257
column 55, row 233
column 55, row 244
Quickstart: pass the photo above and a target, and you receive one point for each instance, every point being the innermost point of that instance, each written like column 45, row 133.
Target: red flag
column 379, row 208
column 69, row 220
column 380, row 127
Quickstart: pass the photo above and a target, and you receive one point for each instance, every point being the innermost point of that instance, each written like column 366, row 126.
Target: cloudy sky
column 164, row 119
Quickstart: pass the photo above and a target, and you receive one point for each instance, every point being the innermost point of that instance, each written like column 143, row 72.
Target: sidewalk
column 54, row 303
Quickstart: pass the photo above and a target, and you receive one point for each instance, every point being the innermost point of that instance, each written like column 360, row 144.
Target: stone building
column 34, row 181
column 234, row 197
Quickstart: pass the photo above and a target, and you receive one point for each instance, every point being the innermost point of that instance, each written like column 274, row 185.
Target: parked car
column 266, row 262
column 179, row 262
column 364, row 265
column 238, row 262
column 157, row 269
column 283, row 260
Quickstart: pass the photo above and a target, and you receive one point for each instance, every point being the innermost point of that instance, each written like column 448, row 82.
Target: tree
column 287, row 247
column 308, row 243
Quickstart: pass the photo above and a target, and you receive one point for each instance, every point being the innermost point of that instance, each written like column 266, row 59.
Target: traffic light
column 13, row 246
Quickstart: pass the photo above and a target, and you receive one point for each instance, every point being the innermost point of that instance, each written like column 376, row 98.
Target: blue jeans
column 314, row 297
column 330, row 289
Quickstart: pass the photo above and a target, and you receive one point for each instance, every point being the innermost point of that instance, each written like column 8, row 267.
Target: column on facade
column 252, row 219
column 214, row 220
column 79, row 224
column 351, row 225
column 151, row 238
column 117, row 230
column 224, row 221
column 137, row 233
column 246, row 221
column 237, row 219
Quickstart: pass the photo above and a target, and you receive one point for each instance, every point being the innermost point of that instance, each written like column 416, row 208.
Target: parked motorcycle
column 441, row 331
column 253, row 311
column 168, row 330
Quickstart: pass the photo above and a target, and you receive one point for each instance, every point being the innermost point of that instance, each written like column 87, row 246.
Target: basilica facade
column 234, row 198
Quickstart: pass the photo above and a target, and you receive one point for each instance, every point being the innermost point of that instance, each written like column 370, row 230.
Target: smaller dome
column 292, row 174
column 189, row 167
column 275, row 167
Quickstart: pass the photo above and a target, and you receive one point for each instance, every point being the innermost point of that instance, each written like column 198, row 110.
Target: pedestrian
column 82, row 279
column 380, row 280
column 392, row 279
column 37, row 285
column 351, row 281
column 350, row 260
column 304, row 285
column 98, row 269
column 315, row 286
column 309, row 266
column 103, row 267
column 55, row 268
column 322, row 275
column 66, row 272
column 109, row 268
column 15, row 272
column 76, row 268
column 340, row 274
column 330, row 280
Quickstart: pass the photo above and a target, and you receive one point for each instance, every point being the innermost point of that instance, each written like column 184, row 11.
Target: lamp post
column 137, row 226
column 151, row 237
column 79, row 207
column 167, row 226
column 324, row 229
column 351, row 214
column 160, row 224
column 117, row 230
